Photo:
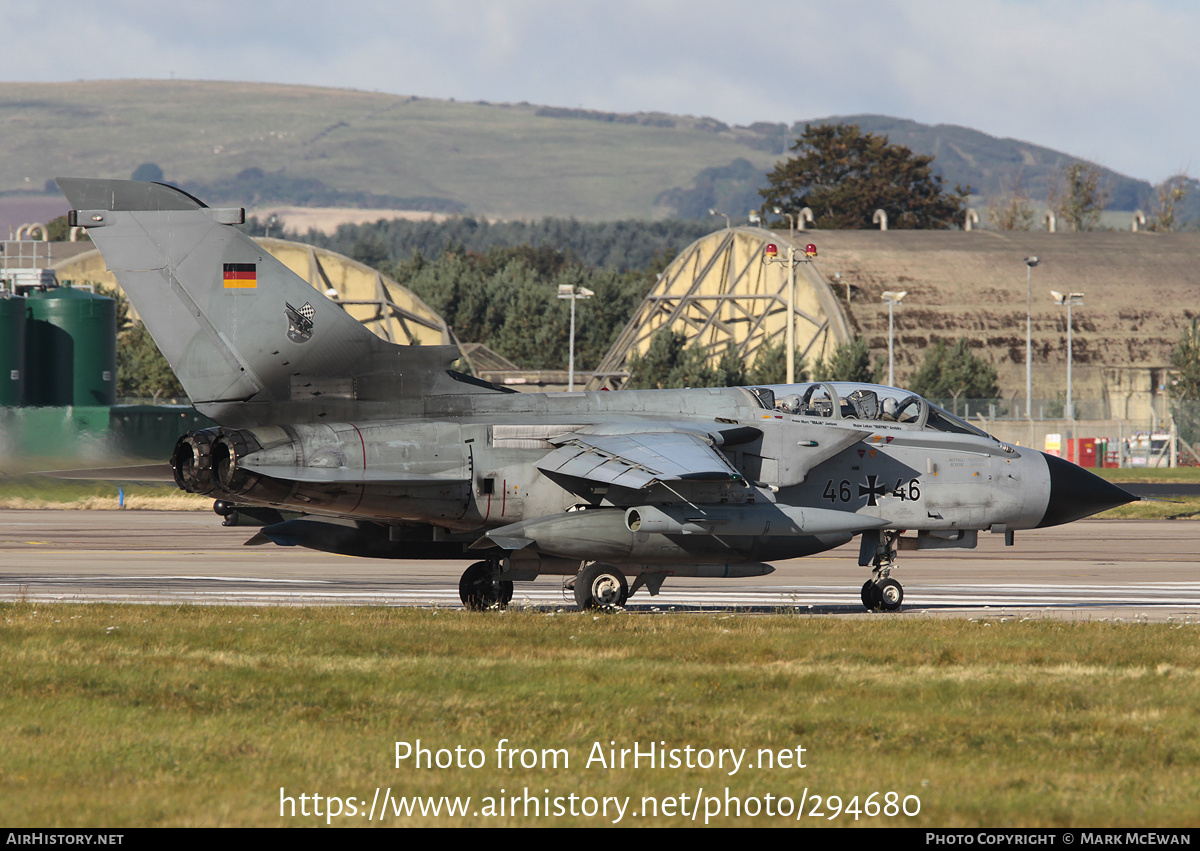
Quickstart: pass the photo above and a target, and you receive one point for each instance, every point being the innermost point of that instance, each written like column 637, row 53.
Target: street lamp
column 771, row 255
column 573, row 294
column 1069, row 299
column 892, row 298
column 1030, row 262
column 754, row 217
column 791, row 220
column 719, row 213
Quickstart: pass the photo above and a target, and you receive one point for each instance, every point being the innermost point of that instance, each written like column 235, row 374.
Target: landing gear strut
column 479, row 589
column 601, row 586
column 881, row 593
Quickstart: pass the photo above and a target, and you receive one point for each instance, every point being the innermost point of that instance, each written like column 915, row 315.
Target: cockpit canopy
column 845, row 400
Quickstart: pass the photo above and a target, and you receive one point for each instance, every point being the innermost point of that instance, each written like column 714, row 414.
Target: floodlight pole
column 1070, row 361
column 790, row 337
column 770, row 255
column 892, row 298
column 891, row 335
column 573, row 294
column 1069, row 299
column 571, row 359
column 1030, row 262
column 791, row 317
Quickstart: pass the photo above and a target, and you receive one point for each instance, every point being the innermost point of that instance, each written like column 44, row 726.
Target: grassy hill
column 989, row 164
column 504, row 161
column 259, row 144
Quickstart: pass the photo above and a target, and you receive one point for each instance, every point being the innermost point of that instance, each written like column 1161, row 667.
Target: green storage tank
column 71, row 348
column 12, row 352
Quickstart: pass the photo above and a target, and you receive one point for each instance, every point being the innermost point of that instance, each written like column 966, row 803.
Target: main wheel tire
column 890, row 594
column 601, row 586
column 479, row 590
column 870, row 599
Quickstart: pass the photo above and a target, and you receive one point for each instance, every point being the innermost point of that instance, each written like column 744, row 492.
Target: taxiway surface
column 1130, row 569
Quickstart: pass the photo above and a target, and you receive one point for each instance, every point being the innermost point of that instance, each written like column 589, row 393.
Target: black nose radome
column 1075, row 493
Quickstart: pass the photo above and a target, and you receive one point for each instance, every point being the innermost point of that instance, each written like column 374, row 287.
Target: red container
column 1082, row 451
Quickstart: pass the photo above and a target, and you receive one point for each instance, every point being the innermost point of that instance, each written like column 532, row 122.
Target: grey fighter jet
column 389, row 453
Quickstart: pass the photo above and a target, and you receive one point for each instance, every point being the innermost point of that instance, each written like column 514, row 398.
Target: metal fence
column 1014, row 409
column 1170, row 429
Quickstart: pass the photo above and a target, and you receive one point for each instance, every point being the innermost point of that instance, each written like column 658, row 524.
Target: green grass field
column 143, row 715
column 1176, row 508
column 1150, row 474
column 28, row 490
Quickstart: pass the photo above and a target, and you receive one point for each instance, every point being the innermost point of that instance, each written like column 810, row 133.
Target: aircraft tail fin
column 236, row 325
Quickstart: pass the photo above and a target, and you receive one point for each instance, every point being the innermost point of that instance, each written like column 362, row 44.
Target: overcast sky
column 1112, row 82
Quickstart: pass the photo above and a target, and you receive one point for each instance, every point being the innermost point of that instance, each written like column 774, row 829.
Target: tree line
column 507, row 299
column 950, row 370
column 627, row 245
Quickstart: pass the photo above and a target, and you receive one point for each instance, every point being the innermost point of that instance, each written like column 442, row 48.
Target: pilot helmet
column 789, row 403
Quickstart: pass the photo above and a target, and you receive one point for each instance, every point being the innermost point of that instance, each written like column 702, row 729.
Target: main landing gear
column 601, row 586
column 881, row 593
column 479, row 589
column 596, row 586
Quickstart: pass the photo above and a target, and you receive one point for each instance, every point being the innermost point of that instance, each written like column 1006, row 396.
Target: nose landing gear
column 881, row 593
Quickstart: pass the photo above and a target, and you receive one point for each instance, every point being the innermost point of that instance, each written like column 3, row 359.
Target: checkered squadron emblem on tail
column 300, row 322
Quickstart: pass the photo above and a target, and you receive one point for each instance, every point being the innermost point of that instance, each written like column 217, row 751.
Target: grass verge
column 139, row 715
column 30, row 490
column 1177, row 508
column 1157, row 475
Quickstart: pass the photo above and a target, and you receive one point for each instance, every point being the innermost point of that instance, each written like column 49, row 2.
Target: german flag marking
column 241, row 276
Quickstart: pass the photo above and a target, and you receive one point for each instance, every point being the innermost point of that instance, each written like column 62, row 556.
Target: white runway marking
column 1088, row 570
column 1182, row 596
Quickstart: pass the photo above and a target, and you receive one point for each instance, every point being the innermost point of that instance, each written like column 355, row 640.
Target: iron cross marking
column 872, row 491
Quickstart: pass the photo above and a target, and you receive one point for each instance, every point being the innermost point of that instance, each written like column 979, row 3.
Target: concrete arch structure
column 719, row 291
column 388, row 309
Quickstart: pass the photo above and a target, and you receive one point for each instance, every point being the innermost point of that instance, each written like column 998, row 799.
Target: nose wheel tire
column 890, row 594
column 479, row 589
column 601, row 586
column 885, row 596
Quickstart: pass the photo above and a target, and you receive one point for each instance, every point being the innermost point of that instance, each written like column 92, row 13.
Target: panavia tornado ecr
column 389, row 453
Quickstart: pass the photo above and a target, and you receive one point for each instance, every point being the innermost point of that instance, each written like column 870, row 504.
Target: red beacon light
column 771, row 251
column 810, row 250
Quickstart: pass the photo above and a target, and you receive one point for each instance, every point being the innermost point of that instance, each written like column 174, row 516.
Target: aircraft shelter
column 719, row 291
